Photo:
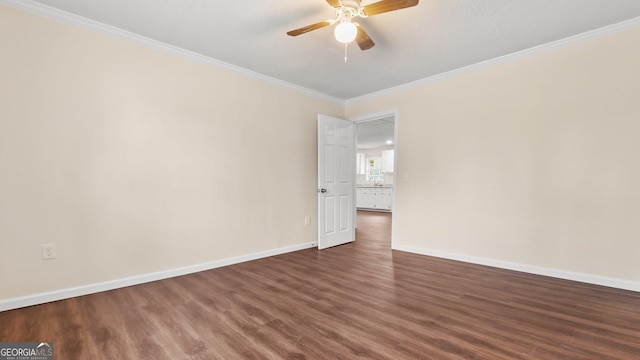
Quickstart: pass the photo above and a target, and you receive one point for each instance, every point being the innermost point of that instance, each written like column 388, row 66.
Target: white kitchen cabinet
column 383, row 198
column 378, row 198
column 387, row 161
column 361, row 163
column 365, row 197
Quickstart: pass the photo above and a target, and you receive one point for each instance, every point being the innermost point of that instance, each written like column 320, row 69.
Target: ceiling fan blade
column 335, row 3
column 387, row 5
column 311, row 27
column 363, row 39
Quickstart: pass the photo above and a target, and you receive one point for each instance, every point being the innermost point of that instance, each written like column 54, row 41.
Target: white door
column 336, row 181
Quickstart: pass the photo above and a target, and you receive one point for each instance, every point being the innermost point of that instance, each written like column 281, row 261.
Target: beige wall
column 535, row 161
column 133, row 161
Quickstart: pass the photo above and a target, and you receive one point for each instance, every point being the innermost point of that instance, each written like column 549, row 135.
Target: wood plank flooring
column 356, row 301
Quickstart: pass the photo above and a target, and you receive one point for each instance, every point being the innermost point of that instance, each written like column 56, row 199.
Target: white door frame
column 378, row 116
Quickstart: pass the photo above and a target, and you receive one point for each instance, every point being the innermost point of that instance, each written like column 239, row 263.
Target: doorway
column 376, row 140
column 374, row 230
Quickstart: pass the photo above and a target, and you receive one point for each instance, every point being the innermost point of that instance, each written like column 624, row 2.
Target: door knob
column 323, row 190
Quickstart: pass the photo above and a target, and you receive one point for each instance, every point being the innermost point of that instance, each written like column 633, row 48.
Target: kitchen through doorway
column 375, row 169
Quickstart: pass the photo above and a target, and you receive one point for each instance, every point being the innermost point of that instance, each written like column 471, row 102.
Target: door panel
column 329, row 226
column 344, row 211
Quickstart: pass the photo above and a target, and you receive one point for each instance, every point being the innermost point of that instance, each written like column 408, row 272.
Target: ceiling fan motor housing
column 347, row 31
column 354, row 4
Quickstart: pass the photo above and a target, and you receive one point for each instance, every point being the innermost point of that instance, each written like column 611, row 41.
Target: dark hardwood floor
column 359, row 300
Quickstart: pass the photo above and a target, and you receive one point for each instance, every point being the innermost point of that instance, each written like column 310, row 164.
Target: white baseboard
column 41, row 298
column 561, row 274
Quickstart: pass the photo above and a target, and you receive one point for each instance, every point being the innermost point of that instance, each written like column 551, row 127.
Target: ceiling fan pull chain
column 345, row 53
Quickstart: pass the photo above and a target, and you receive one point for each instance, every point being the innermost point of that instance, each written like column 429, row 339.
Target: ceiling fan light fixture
column 346, row 10
column 345, row 32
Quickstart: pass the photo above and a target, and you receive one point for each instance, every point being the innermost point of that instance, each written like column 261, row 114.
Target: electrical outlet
column 48, row 251
column 307, row 220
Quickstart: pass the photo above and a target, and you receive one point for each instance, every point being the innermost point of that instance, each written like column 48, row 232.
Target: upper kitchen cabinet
column 361, row 163
column 387, row 161
column 375, row 141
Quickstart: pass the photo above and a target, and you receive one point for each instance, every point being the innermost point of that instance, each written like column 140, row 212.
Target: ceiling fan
column 347, row 31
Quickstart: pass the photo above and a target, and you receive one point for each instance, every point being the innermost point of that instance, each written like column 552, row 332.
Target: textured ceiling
column 411, row 44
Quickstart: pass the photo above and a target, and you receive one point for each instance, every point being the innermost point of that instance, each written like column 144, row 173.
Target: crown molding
column 589, row 35
column 72, row 19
